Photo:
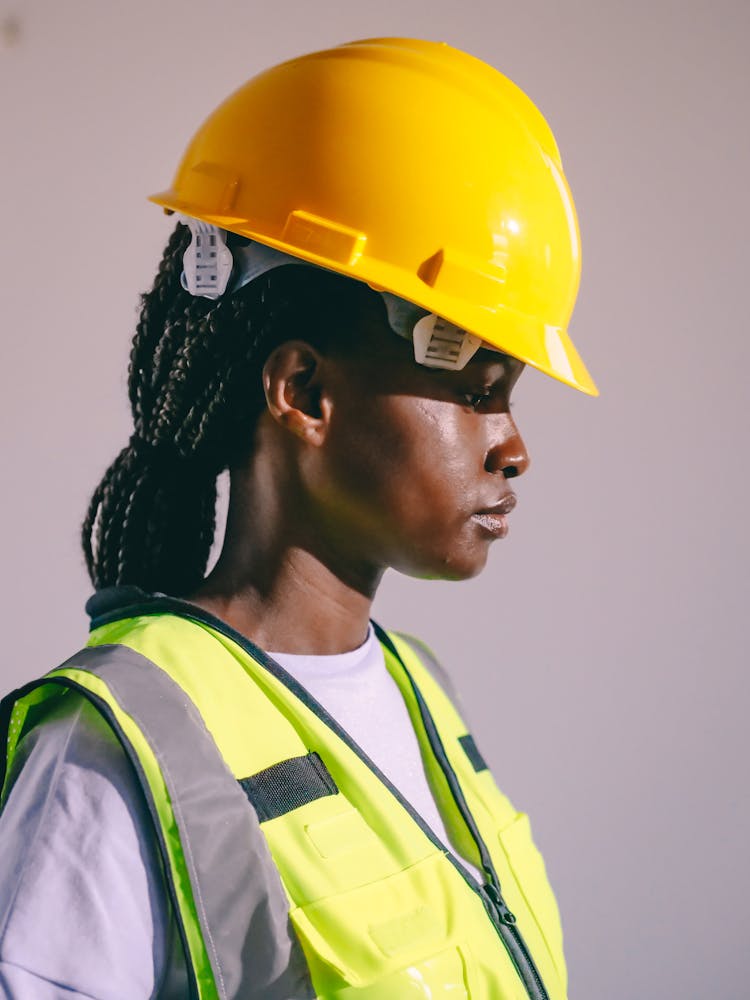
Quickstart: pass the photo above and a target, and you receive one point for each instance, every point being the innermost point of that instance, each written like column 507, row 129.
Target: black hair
column 195, row 388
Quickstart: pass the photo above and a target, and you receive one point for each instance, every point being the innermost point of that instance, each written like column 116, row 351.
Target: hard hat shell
column 413, row 167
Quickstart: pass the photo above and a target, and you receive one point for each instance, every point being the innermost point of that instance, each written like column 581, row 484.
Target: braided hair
column 195, row 388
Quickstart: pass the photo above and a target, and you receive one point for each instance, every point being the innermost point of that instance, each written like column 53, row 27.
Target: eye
column 475, row 399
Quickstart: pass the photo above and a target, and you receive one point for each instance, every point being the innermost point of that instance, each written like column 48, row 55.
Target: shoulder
column 80, row 890
column 67, row 731
column 70, row 772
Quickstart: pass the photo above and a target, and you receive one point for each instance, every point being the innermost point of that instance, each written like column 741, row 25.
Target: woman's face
column 415, row 467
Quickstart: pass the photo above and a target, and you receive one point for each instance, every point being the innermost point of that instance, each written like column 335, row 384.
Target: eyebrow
column 486, row 360
column 490, row 354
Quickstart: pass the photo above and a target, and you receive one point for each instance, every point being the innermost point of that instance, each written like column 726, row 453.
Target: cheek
column 416, row 443
column 441, row 461
column 396, row 483
column 412, row 464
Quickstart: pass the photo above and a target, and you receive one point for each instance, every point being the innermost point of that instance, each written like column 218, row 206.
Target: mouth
column 494, row 519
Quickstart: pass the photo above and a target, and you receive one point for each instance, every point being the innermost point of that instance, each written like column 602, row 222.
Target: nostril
column 510, row 471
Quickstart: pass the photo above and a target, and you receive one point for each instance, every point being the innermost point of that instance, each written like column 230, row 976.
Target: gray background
column 601, row 655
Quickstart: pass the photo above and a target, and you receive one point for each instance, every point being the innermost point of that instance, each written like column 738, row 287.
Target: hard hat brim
column 543, row 346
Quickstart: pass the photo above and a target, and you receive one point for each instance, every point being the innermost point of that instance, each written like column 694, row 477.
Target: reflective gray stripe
column 242, row 907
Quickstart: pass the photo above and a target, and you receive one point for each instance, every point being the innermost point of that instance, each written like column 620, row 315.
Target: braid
column 196, row 391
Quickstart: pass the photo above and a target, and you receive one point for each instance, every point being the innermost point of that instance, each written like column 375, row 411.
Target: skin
column 361, row 463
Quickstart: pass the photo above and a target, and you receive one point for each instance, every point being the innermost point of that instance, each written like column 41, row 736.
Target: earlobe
column 293, row 389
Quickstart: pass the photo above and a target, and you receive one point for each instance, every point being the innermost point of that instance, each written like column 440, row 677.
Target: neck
column 302, row 607
column 285, row 586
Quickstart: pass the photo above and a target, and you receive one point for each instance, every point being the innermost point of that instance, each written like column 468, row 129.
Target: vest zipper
column 503, row 920
column 505, row 924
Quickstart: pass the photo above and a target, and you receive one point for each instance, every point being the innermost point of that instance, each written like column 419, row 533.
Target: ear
column 294, row 389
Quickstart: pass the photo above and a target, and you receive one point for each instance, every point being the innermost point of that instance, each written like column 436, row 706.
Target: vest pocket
column 401, row 938
column 441, row 976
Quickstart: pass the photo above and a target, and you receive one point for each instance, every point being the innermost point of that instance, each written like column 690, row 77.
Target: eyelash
column 475, row 399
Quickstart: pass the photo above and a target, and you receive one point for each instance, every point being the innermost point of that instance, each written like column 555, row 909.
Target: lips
column 492, row 519
column 502, row 507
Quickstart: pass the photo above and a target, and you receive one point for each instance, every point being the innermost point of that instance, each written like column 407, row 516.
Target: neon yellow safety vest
column 295, row 868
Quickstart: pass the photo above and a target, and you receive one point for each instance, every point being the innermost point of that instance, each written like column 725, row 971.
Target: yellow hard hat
column 413, row 167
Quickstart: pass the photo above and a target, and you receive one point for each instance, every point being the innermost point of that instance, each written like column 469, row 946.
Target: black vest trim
column 472, row 752
column 288, row 785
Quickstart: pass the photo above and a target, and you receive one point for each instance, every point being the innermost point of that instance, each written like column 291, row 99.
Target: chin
column 456, row 566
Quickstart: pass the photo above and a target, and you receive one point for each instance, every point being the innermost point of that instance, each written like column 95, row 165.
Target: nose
column 506, row 453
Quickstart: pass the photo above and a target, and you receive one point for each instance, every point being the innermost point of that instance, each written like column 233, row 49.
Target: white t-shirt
column 84, row 912
column 357, row 690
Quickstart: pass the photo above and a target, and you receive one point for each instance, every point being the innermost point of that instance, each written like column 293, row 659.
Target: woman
column 242, row 787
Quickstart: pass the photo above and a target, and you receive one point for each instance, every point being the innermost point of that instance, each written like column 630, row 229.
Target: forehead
column 389, row 358
column 488, row 371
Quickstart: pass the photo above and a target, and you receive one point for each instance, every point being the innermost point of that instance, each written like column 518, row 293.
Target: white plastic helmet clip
column 440, row 344
column 207, row 262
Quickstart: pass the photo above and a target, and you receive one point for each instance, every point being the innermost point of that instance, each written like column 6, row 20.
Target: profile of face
column 399, row 465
